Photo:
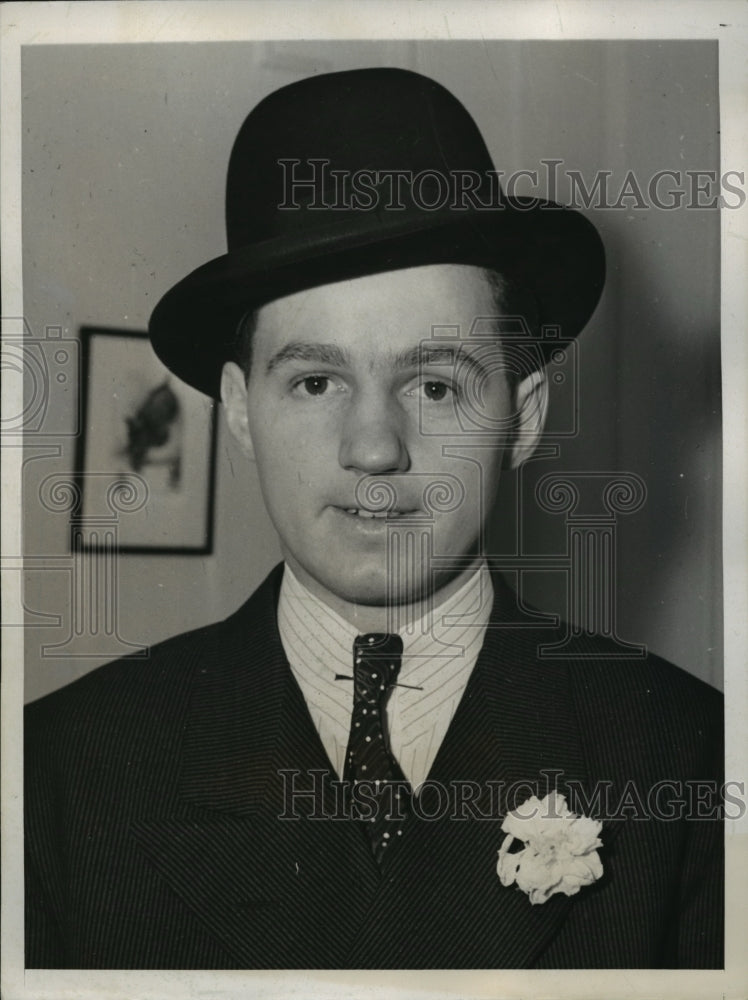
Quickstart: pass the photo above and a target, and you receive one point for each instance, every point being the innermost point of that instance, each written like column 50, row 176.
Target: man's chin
column 381, row 593
column 369, row 583
column 376, row 595
column 374, row 590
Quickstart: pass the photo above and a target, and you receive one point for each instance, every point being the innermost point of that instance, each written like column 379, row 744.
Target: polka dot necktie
column 379, row 792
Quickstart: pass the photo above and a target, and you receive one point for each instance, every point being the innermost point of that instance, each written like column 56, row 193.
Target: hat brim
column 555, row 253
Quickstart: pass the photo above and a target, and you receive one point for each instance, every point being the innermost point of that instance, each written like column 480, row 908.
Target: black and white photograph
column 375, row 540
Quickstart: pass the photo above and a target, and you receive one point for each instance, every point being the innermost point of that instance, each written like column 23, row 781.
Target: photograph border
column 726, row 20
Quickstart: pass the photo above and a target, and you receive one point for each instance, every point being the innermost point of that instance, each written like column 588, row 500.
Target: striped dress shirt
column 439, row 652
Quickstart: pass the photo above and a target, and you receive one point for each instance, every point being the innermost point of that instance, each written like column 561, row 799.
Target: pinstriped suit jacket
column 154, row 789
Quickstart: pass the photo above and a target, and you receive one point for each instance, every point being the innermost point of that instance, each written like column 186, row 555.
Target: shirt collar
column 306, row 622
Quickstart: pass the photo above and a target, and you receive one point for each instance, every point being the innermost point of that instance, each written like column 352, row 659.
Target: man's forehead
column 395, row 310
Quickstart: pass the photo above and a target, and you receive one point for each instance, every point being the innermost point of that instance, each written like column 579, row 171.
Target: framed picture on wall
column 146, row 453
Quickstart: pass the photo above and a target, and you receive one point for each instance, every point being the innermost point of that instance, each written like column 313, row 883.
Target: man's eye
column 315, row 385
column 436, row 391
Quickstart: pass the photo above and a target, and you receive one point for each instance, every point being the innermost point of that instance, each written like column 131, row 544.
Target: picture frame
column 145, row 462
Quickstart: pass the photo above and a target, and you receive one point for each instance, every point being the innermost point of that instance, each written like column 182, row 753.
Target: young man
column 326, row 778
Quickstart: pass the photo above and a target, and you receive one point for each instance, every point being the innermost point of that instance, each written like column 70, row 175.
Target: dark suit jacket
column 153, row 795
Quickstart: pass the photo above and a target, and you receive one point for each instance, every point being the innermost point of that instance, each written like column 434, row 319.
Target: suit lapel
column 514, row 732
column 251, row 753
column 307, row 894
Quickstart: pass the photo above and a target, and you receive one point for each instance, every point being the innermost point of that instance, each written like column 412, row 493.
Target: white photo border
column 724, row 20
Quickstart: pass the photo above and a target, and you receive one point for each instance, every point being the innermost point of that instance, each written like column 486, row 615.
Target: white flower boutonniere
column 560, row 849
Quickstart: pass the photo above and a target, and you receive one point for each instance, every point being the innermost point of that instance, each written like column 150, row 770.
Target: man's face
column 377, row 486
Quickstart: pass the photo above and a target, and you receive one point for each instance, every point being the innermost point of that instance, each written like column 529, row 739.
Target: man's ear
column 531, row 408
column 234, row 398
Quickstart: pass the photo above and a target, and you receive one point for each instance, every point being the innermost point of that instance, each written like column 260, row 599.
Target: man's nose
column 373, row 437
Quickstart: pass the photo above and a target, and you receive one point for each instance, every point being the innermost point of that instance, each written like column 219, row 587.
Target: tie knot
column 376, row 662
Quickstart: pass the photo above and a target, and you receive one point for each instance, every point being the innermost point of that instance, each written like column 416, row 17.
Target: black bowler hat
column 358, row 172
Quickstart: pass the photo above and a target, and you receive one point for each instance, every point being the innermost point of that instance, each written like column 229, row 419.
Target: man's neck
column 384, row 618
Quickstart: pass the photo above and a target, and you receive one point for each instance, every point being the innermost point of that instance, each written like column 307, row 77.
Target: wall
column 124, row 153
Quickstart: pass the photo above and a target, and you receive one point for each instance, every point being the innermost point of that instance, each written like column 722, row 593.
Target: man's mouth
column 382, row 514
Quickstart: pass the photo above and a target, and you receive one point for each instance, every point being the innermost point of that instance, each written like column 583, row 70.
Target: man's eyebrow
column 426, row 354
column 416, row 357
column 323, row 354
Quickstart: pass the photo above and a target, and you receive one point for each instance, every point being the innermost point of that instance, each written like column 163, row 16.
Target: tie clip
column 411, row 687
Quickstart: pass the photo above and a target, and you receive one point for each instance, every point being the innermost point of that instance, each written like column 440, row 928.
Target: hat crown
column 290, row 228
column 308, row 147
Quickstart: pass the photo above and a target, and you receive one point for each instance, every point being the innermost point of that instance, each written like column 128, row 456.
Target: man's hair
column 510, row 300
